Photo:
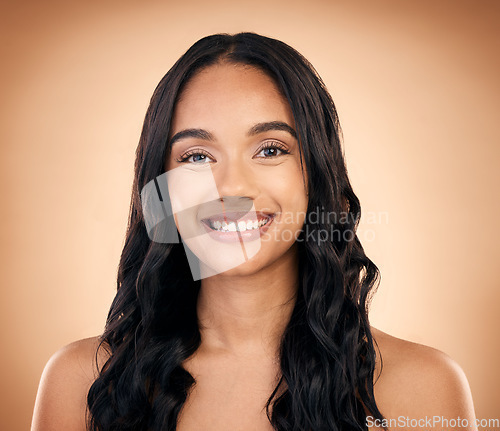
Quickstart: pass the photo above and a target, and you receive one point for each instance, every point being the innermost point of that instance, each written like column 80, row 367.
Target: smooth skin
column 244, row 311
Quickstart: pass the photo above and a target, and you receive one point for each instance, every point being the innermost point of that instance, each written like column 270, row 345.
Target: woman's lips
column 234, row 227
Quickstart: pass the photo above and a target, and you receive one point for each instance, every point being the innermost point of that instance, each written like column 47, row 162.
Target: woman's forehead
column 231, row 92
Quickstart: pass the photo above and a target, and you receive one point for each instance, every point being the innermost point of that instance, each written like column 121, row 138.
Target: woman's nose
column 234, row 178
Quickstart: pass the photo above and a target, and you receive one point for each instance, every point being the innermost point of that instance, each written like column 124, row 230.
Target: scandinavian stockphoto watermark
column 218, row 233
column 321, row 226
column 426, row 422
column 179, row 206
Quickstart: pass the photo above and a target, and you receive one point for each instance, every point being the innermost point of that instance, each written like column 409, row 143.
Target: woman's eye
column 273, row 150
column 198, row 157
column 195, row 157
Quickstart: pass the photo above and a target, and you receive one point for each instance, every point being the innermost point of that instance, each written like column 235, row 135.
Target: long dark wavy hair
column 327, row 349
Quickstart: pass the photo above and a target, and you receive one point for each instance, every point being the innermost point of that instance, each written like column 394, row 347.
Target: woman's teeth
column 240, row 226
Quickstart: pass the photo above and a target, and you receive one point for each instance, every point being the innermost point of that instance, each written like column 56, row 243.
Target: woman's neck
column 246, row 315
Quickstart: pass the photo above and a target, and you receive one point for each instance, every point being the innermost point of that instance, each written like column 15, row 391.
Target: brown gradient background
column 417, row 90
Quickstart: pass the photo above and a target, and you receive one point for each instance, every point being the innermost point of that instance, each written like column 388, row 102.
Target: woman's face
column 234, row 174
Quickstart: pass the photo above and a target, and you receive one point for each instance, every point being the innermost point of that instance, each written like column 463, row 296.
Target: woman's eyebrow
column 254, row 130
column 272, row 125
column 191, row 133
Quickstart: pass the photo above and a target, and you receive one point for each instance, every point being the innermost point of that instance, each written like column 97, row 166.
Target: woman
column 257, row 318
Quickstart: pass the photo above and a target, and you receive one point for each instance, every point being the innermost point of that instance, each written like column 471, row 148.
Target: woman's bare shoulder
column 85, row 352
column 61, row 399
column 418, row 381
column 393, row 350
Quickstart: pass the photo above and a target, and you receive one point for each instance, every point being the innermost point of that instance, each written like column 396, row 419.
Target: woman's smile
column 233, row 226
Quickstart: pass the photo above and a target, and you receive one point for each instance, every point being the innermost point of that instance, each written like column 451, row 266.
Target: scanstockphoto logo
column 427, row 422
column 220, row 233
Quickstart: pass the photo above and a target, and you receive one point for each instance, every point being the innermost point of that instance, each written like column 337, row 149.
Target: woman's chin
column 232, row 269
